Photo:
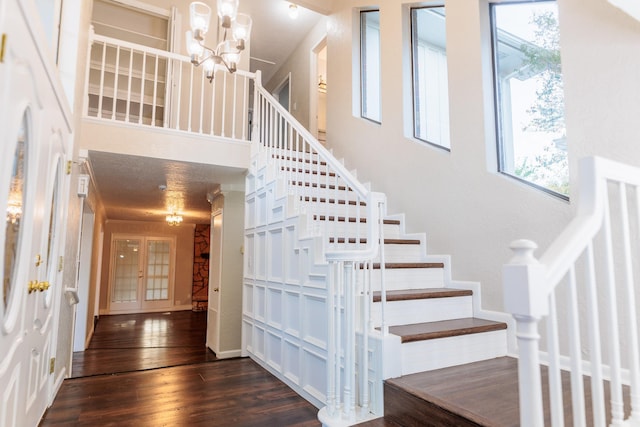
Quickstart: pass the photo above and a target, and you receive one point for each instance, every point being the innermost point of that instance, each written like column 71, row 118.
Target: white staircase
column 302, row 212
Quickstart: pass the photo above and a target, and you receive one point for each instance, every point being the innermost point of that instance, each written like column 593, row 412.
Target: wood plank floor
column 154, row 370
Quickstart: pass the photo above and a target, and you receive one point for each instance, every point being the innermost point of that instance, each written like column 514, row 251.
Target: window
column 529, row 95
column 370, row 64
column 430, row 84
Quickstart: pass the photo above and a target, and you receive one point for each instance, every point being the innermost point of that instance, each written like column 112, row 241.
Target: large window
column 370, row 64
column 430, row 87
column 529, row 94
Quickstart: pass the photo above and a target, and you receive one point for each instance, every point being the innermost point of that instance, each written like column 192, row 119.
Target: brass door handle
column 34, row 286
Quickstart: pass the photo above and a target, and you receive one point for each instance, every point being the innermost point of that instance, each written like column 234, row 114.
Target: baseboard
column 184, row 307
column 229, row 354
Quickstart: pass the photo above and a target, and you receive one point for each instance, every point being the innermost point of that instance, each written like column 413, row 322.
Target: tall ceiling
column 129, row 186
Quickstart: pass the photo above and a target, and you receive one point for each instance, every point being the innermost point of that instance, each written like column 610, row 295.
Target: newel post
column 524, row 298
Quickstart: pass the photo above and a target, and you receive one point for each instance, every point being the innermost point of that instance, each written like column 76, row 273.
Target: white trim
column 135, row 4
column 229, row 354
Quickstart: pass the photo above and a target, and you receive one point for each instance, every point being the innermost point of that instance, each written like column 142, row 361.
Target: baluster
column 128, row 107
column 234, row 100
column 593, row 328
column 115, row 84
column 555, row 379
column 224, row 104
column 365, row 323
column 332, row 366
column 155, row 93
column 384, row 327
column 202, row 86
column 617, row 404
column 577, row 381
column 245, row 108
column 102, row 67
column 180, row 95
column 143, row 77
column 190, row 98
column 213, row 104
column 629, row 298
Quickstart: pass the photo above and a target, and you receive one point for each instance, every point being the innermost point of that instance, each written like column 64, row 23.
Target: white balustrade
column 140, row 85
column 582, row 286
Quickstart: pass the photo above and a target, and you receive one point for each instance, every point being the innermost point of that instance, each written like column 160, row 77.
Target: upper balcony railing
column 139, row 85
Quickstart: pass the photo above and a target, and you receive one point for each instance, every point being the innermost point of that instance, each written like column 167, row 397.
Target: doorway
column 318, row 91
column 142, row 273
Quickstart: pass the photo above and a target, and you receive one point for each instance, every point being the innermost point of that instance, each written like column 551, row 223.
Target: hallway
column 154, row 370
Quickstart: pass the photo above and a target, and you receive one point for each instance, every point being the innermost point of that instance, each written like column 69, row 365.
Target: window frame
column 414, row 78
column 363, row 75
column 498, row 104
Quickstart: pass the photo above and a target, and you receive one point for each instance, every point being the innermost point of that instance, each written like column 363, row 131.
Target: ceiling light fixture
column 174, row 219
column 236, row 29
column 293, row 11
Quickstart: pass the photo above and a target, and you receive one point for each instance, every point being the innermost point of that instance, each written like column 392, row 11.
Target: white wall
column 467, row 209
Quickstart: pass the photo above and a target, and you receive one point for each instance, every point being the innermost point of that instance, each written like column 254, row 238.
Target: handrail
column 601, row 226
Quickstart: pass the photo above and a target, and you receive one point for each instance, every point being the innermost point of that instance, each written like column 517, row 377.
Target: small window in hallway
column 430, row 83
column 370, row 64
column 529, row 95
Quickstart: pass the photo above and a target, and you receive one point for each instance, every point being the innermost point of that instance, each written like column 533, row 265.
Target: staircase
column 302, row 211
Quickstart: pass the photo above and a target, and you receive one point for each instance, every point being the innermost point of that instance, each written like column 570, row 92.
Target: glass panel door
column 158, row 268
column 142, row 273
column 126, row 273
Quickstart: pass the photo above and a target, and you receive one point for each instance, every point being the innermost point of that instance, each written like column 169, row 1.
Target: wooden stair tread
column 316, row 185
column 483, row 393
column 428, row 293
column 331, row 201
column 445, row 329
column 364, row 241
column 312, row 172
column 399, row 265
column 295, row 159
column 352, row 219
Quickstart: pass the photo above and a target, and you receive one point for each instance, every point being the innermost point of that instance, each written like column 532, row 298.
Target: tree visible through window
column 529, row 94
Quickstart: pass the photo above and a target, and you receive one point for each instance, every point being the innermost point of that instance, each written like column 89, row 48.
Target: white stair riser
column 352, row 229
column 423, row 310
column 316, row 208
column 433, row 354
column 408, row 278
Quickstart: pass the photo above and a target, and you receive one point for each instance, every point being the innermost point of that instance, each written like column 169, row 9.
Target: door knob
column 32, row 286
column 216, row 289
column 43, row 286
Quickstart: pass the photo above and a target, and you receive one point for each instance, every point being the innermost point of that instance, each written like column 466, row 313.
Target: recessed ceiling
column 129, row 186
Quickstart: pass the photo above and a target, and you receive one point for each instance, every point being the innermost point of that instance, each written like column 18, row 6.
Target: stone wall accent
column 200, row 294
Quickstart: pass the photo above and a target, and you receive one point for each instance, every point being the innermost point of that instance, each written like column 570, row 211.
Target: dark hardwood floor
column 154, row 370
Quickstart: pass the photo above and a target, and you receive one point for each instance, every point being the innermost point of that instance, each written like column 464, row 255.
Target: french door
column 142, row 273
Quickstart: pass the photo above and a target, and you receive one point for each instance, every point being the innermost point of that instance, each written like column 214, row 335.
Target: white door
column 142, row 273
column 215, row 282
column 33, row 188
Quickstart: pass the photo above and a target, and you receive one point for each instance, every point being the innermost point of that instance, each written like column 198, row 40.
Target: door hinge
column 52, row 365
column 60, row 264
column 69, row 163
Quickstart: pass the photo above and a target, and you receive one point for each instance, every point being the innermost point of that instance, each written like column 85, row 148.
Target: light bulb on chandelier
column 174, row 219
column 236, row 29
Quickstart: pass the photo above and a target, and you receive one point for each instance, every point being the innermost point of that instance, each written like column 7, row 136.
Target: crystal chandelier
column 236, row 28
column 174, row 219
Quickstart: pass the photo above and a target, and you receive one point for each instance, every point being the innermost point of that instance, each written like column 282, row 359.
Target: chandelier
column 236, row 28
column 174, row 219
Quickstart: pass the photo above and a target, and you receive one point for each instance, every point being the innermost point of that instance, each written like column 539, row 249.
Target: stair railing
column 583, row 286
column 139, row 85
column 313, row 174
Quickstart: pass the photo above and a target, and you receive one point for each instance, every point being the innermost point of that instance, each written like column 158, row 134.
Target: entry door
column 33, row 188
column 142, row 273
column 215, row 276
